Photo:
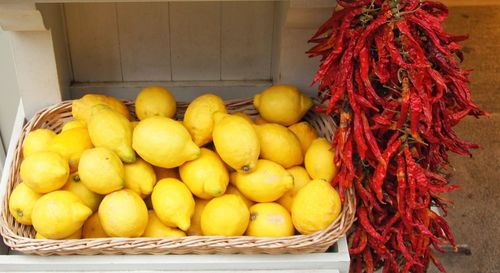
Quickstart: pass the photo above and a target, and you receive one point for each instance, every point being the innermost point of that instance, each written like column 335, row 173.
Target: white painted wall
column 9, row 94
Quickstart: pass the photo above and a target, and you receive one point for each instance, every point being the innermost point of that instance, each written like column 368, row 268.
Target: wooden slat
column 93, row 42
column 247, row 32
column 295, row 66
column 144, row 41
column 182, row 90
column 195, row 40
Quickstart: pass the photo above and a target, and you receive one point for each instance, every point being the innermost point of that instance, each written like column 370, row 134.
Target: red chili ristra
column 390, row 73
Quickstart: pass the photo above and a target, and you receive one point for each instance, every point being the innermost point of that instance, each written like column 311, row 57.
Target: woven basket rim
column 188, row 244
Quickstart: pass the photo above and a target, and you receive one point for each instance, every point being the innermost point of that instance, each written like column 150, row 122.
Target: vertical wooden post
column 33, row 52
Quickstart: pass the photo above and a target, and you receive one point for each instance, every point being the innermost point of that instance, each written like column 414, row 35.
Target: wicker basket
column 20, row 237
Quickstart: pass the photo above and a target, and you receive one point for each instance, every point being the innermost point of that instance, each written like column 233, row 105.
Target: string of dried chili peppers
column 391, row 74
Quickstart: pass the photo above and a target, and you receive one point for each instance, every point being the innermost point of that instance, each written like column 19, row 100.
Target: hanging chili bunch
column 391, row 74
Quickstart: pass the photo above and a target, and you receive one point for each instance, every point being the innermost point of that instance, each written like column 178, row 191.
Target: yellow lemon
column 279, row 144
column 315, row 207
column 123, row 214
column 164, row 142
column 199, row 117
column 59, row 214
column 74, row 236
column 300, row 179
column 21, row 203
column 166, row 173
column 88, row 197
column 71, row 144
column 109, row 129
column 157, row 229
column 140, row 177
column 259, row 120
column 319, row 160
column 155, row 101
column 282, row 104
column 44, row 171
column 206, row 176
column 269, row 220
column 133, row 124
column 236, row 142
column 92, row 228
column 305, row 133
column 101, row 171
column 73, row 124
column 173, row 203
column 225, row 215
column 195, row 228
column 245, row 116
column 81, row 107
column 37, row 141
column 267, row 183
column 233, row 190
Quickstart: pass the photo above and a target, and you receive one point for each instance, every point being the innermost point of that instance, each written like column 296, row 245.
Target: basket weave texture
column 20, row 237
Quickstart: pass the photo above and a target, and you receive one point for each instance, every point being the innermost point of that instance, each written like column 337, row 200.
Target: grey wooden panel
column 195, row 40
column 296, row 67
column 247, row 36
column 144, row 41
column 93, row 41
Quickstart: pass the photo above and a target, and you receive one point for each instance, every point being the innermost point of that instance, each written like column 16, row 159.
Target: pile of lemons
column 211, row 173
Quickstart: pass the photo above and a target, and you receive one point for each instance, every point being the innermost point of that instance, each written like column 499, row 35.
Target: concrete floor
column 475, row 218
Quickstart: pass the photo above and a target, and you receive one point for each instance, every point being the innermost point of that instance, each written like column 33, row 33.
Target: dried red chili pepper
column 389, row 73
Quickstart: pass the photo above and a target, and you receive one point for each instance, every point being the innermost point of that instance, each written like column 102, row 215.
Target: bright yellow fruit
column 195, row 228
column 92, row 228
column 123, row 214
column 73, row 124
column 245, row 116
column 44, row 171
column 88, row 197
column 156, row 229
column 109, row 129
column 199, row 117
column 267, row 183
column 305, row 133
column 225, row 215
column 133, row 124
column 173, row 203
column 206, row 176
column 75, row 236
column 21, row 203
column 259, row 120
column 140, row 177
column 279, row 144
column 155, row 101
column 236, row 142
column 71, row 144
column 319, row 160
column 37, row 141
column 101, row 171
column 81, row 107
column 269, row 220
column 282, row 104
column 233, row 190
column 300, row 179
column 59, row 214
column 164, row 142
column 315, row 207
column 166, row 173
